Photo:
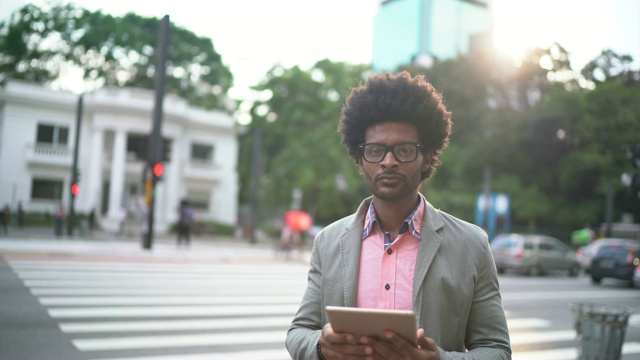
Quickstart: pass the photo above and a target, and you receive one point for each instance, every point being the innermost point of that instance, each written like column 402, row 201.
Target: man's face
column 390, row 179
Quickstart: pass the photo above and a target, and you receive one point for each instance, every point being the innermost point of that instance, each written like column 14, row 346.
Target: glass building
column 416, row 31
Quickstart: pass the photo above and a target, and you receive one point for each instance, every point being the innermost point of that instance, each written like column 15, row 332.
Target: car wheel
column 595, row 279
column 573, row 271
column 534, row 270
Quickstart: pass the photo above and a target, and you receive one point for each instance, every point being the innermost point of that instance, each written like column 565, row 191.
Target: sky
column 254, row 35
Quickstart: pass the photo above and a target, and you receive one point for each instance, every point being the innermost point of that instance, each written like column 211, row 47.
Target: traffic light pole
column 155, row 139
column 74, row 168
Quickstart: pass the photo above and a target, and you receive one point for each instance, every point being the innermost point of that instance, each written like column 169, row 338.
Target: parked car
column 617, row 261
column 533, row 254
column 585, row 253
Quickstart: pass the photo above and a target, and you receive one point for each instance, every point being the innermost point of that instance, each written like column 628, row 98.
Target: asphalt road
column 75, row 299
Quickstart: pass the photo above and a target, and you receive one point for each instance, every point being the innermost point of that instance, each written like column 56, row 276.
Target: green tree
column 40, row 43
column 300, row 146
column 611, row 66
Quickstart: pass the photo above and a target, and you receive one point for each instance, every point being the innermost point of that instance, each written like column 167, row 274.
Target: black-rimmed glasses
column 403, row 152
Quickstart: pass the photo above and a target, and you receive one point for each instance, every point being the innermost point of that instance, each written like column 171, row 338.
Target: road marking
column 222, row 292
column 527, row 323
column 541, row 337
column 182, row 283
column 172, row 325
column 565, row 295
column 174, row 340
column 169, row 300
column 265, row 354
column 189, row 268
column 172, row 311
column 628, row 348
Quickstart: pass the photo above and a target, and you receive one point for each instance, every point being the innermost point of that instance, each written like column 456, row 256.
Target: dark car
column 616, row 261
column 533, row 254
column 585, row 253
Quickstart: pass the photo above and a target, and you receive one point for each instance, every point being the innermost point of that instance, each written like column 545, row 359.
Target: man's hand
column 394, row 347
column 342, row 345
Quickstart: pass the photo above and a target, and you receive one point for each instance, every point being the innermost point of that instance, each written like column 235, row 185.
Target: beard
column 392, row 186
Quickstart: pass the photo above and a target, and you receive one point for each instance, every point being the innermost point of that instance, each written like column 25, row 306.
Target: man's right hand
column 342, row 345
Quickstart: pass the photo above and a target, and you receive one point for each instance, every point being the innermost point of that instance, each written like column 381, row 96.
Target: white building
column 37, row 139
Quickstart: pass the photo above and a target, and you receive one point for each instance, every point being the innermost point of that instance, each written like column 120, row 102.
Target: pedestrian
column 58, row 217
column 5, row 218
column 92, row 219
column 20, row 214
column 583, row 236
column 185, row 222
column 397, row 251
column 122, row 221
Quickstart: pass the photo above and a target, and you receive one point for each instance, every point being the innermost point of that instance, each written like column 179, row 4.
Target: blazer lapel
column 350, row 249
column 429, row 243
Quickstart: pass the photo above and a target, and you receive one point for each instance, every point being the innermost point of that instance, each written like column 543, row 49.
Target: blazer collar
column 350, row 250
column 351, row 242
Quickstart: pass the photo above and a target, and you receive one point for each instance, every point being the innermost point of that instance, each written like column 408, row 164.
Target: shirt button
column 387, row 287
column 389, row 251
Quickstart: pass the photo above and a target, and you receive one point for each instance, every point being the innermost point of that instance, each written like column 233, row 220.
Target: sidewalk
column 41, row 243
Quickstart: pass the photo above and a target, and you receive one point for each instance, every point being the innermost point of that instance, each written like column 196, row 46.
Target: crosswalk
column 164, row 311
column 187, row 311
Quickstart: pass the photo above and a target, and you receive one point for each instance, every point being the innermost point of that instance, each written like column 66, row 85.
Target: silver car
column 533, row 254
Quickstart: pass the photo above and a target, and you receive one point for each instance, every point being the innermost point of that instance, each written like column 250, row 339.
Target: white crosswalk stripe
column 169, row 311
column 194, row 311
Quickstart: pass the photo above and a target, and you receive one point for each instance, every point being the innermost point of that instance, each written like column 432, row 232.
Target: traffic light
column 158, row 170
column 148, row 191
column 74, row 189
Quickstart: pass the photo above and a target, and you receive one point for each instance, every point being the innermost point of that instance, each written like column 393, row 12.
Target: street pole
column 609, row 209
column 155, row 139
column 256, row 167
column 74, row 167
column 487, row 200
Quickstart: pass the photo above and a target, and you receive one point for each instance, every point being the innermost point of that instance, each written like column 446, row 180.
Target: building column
column 173, row 189
column 117, row 174
column 94, row 177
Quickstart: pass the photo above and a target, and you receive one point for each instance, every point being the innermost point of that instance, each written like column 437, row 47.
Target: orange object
column 298, row 220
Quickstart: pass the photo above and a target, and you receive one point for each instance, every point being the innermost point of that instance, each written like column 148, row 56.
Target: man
column 185, row 222
column 397, row 251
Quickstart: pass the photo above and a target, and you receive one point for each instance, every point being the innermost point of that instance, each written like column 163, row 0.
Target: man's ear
column 360, row 165
column 426, row 161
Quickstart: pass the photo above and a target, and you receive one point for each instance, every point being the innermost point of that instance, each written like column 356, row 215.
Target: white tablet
column 373, row 322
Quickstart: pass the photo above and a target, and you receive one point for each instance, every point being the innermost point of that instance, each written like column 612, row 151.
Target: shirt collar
column 413, row 222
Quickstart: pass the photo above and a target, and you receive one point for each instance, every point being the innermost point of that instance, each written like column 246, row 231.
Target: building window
column 202, row 152
column 199, row 199
column 52, row 134
column 42, row 189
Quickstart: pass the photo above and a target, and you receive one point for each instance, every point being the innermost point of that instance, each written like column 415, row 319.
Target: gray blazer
column 456, row 296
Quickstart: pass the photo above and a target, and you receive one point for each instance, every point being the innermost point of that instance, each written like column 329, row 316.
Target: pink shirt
column 386, row 274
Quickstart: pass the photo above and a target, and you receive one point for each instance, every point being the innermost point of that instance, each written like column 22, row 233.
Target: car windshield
column 614, row 251
column 504, row 242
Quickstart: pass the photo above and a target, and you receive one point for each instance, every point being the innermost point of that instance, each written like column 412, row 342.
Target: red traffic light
column 158, row 169
column 74, row 189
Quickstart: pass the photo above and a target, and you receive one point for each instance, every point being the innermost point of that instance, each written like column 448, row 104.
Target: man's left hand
column 394, row 347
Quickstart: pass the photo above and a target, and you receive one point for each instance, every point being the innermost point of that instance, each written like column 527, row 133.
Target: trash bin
column 600, row 329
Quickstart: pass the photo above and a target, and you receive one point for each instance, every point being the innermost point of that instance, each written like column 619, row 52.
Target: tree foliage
column 301, row 148
column 42, row 44
column 554, row 153
column 611, row 66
